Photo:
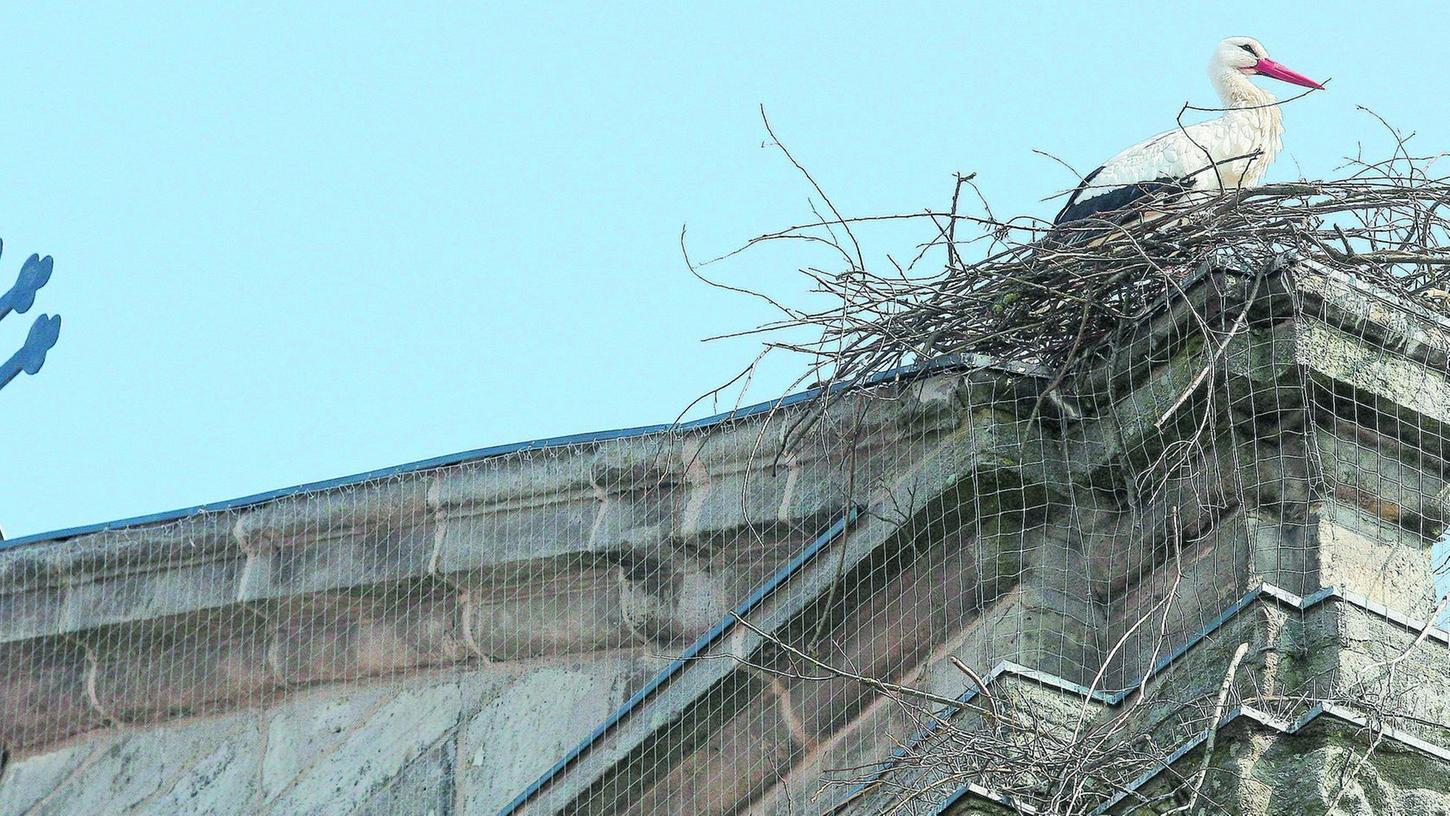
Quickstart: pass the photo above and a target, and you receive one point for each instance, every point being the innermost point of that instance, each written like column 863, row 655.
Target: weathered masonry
column 950, row 588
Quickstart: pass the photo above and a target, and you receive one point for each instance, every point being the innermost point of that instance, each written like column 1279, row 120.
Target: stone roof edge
column 1335, row 283
column 946, row 364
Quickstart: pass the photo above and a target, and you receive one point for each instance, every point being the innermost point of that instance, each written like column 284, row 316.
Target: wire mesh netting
column 945, row 581
column 1041, row 581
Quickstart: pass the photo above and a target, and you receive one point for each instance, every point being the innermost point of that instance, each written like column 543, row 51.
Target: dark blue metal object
column 905, row 374
column 31, row 356
column 704, row 642
column 34, row 273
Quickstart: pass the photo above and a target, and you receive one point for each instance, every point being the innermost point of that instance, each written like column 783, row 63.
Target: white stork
column 1231, row 151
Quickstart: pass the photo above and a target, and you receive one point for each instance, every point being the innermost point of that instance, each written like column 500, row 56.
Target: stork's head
column 1245, row 55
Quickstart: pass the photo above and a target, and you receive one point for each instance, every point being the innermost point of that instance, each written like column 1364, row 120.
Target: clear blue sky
column 306, row 240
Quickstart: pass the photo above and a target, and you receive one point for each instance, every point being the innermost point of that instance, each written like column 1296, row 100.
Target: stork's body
column 1231, row 151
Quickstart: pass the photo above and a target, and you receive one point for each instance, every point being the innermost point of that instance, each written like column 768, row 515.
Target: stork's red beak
column 1269, row 68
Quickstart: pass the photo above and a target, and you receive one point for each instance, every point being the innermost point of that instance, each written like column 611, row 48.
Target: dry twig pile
column 1050, row 296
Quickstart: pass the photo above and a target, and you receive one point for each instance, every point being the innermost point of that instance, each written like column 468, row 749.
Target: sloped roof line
column 945, row 363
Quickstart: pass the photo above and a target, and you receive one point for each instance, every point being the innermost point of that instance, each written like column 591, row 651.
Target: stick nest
column 1051, row 296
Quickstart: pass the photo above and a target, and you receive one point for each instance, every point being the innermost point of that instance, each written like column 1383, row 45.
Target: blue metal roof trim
column 950, row 362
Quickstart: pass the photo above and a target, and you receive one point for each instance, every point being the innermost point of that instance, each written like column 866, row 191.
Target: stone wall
column 436, row 640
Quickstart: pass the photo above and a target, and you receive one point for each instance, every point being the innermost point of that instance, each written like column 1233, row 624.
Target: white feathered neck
column 1255, row 118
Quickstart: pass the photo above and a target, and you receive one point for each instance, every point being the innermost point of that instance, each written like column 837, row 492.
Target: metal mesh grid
column 948, row 588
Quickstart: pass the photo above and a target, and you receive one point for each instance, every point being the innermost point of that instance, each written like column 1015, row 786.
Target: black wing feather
column 1072, row 199
column 1117, row 198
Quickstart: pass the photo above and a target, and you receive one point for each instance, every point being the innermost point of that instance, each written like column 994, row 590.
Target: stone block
column 116, row 576
column 1263, row 771
column 747, row 474
column 307, row 727
column 1364, row 310
column 338, row 514
column 480, row 537
column 754, row 557
column 947, row 602
column 221, row 780
column 1037, row 627
column 1378, row 473
column 27, row 781
column 635, row 521
column 572, row 610
column 826, row 774
column 1260, row 359
column 129, row 597
column 332, row 755
column 152, row 771
column 173, row 667
column 824, row 478
column 640, row 484
column 637, row 463
column 735, row 496
column 45, row 693
column 1180, row 695
column 819, row 488
column 1279, row 553
column 939, row 757
column 317, row 558
column 1130, row 543
column 143, row 548
column 30, row 613
column 1175, row 601
column 425, row 787
column 1060, row 619
column 341, row 636
column 732, row 765
column 1127, row 425
column 515, row 481
column 533, row 720
column 1338, row 356
column 1379, row 661
column 513, row 510
column 893, row 618
column 675, row 601
column 1361, row 553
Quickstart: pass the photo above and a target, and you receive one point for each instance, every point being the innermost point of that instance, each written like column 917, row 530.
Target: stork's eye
column 1250, row 50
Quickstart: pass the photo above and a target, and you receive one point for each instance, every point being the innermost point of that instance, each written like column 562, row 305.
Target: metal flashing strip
column 990, row 795
column 702, row 643
column 1044, row 678
column 948, row 363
